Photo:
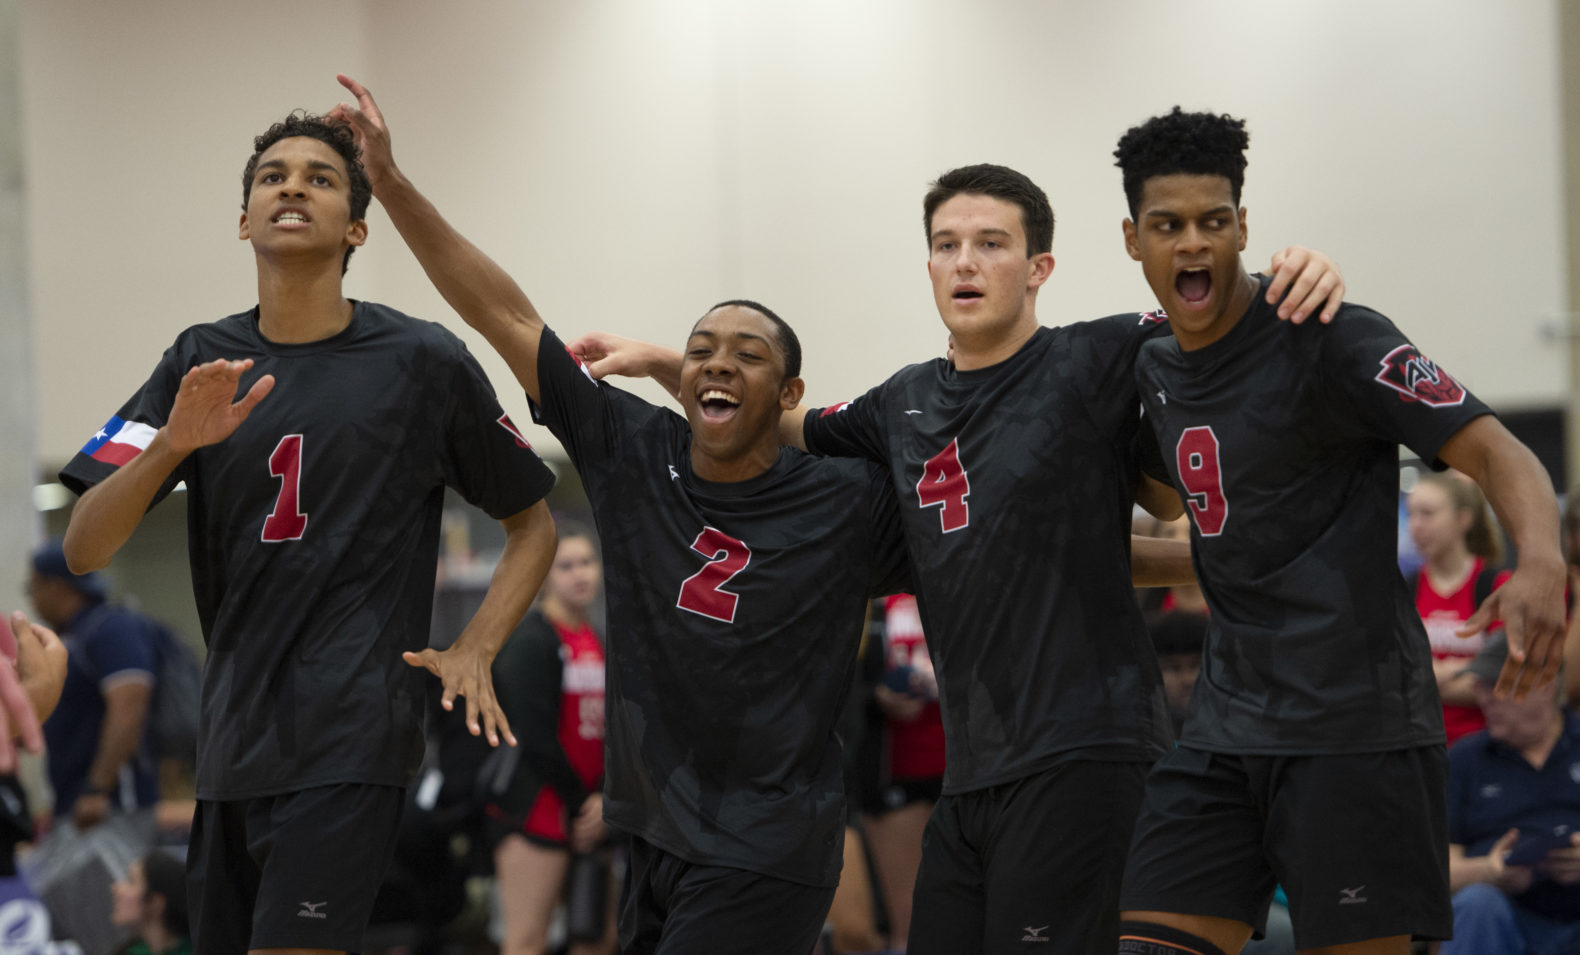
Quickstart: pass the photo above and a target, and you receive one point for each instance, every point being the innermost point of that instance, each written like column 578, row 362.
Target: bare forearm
column 1516, row 485
column 481, row 292
column 529, row 551
column 792, row 427
column 110, row 511
column 1157, row 562
column 126, row 711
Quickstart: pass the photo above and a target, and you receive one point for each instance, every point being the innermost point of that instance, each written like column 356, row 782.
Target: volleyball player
column 313, row 506
column 1312, row 755
column 738, row 576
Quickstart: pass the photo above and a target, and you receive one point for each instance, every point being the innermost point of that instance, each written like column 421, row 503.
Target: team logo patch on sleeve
column 834, row 409
column 1155, row 317
column 1417, row 378
column 119, row 441
column 515, row 432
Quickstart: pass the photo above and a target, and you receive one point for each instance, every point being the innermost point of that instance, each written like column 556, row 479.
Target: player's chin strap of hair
column 1150, row 938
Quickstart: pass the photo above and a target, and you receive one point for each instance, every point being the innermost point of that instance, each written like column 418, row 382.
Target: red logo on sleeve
column 834, row 409
column 515, row 432
column 1417, row 378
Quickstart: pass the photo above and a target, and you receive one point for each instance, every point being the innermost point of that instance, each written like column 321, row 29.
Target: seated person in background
column 1462, row 551
column 152, row 901
column 1514, row 822
column 1177, row 637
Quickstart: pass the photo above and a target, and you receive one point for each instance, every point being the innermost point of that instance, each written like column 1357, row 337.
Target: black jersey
column 1016, row 483
column 313, row 533
column 735, row 611
column 1284, row 441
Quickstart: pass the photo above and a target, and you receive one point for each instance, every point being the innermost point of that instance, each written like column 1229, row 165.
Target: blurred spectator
column 152, row 902
column 1514, row 822
column 100, row 760
column 912, row 762
column 546, row 817
column 1461, row 550
column 101, row 763
column 1177, row 637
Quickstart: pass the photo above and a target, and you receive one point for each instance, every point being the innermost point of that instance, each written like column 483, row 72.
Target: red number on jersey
column 944, row 485
column 287, row 522
column 1197, row 457
column 702, row 592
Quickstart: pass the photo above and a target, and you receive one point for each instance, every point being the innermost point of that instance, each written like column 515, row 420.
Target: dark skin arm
column 125, row 711
column 1531, row 602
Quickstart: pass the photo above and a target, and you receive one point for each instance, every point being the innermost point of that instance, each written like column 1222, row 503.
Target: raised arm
column 480, row 291
column 1531, row 602
column 205, row 412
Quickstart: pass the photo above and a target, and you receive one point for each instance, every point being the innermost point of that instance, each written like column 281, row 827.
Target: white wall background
column 633, row 162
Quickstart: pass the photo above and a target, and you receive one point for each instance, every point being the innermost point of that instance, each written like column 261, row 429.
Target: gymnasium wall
column 633, row 162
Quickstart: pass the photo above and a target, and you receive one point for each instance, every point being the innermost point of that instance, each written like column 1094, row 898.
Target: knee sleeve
column 1149, row 938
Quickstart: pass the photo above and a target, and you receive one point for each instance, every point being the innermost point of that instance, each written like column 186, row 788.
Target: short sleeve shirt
column 1283, row 439
column 1015, row 485
column 313, row 533
column 735, row 612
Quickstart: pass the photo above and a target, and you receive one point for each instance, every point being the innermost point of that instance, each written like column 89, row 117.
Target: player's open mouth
column 717, row 405
column 1193, row 286
column 966, row 295
column 290, row 218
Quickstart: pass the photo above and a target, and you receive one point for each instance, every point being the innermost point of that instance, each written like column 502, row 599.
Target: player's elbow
column 81, row 556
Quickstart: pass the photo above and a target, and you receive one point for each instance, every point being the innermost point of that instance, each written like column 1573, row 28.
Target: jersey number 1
column 944, row 485
column 703, row 592
column 287, row 522
column 1197, row 458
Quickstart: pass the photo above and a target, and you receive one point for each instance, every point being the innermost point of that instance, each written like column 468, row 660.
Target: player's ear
column 1133, row 241
column 790, row 393
column 242, row 232
column 357, row 232
column 1041, row 269
column 1242, row 228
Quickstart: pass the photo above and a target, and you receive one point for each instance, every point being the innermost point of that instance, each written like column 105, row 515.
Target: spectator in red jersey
column 547, row 809
column 913, row 754
column 1461, row 549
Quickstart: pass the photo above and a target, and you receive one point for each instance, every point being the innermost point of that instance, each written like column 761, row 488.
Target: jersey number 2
column 944, row 485
column 287, row 522
column 703, row 592
column 1200, row 472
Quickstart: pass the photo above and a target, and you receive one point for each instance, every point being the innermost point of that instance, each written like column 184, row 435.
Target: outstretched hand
column 467, row 672
column 206, row 410
column 1531, row 606
column 1310, row 279
column 372, row 134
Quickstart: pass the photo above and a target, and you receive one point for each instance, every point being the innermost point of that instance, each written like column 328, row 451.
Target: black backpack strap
column 1485, row 581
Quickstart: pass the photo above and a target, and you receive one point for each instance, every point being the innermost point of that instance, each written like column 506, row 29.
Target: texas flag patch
column 119, row 441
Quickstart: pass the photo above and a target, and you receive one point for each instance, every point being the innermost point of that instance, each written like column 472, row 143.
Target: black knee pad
column 1150, row 938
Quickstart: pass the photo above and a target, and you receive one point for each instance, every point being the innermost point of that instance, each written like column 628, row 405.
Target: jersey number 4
column 703, row 592
column 1196, row 455
column 944, row 485
column 287, row 522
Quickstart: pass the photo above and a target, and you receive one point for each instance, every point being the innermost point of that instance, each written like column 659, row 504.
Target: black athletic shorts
column 1359, row 842
column 1032, row 865
column 295, row 870
column 669, row 906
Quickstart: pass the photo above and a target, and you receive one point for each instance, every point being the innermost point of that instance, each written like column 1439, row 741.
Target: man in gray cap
column 100, row 760
column 1514, row 821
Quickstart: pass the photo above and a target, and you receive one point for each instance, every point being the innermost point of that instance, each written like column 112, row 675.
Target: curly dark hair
column 167, row 876
column 1000, row 182
column 1205, row 144
column 336, row 136
column 787, row 337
